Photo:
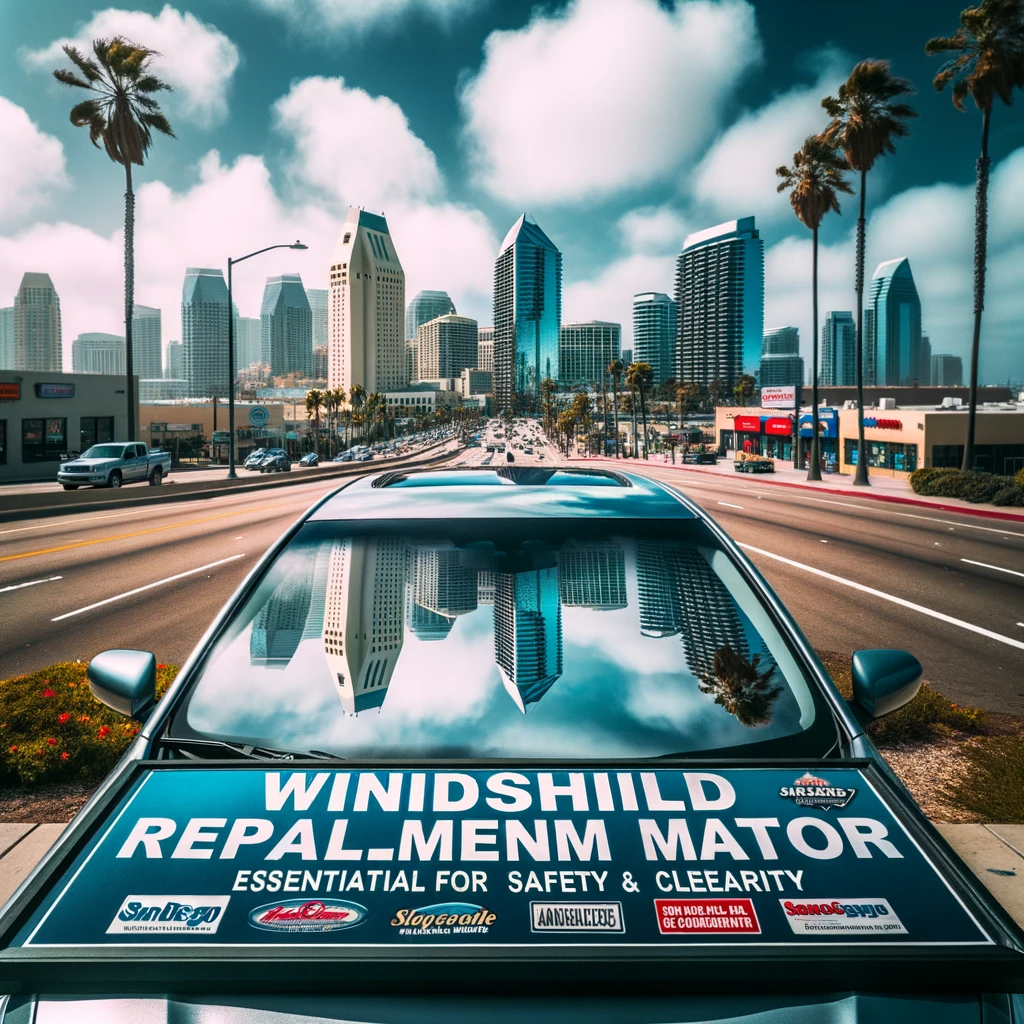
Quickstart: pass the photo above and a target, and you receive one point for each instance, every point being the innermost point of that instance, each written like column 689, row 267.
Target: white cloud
column 33, row 167
column 336, row 16
column 653, row 229
column 607, row 95
column 197, row 59
column 354, row 147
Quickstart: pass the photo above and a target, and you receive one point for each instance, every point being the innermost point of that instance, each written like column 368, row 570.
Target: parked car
column 113, row 464
column 310, row 459
column 364, row 457
column 256, row 458
column 279, row 463
column 343, row 457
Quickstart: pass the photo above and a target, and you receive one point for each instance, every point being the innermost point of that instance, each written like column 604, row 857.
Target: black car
column 279, row 463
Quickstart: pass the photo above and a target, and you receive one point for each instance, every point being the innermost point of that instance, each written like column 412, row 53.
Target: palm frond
column 88, row 67
column 150, row 83
column 159, row 122
column 70, row 78
column 84, row 113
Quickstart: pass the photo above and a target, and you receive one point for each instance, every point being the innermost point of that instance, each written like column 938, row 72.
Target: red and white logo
column 707, row 917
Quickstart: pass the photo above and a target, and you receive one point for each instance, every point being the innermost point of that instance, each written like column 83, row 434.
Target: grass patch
column 992, row 784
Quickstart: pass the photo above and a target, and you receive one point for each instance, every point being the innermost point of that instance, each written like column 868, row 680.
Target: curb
column 983, row 513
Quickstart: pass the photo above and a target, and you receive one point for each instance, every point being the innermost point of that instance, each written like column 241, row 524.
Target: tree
column 988, row 62
column 314, row 403
column 744, row 388
column 615, row 369
column 640, row 376
column 548, row 390
column 356, row 398
column 741, row 687
column 814, row 181
column 715, row 389
column 867, row 114
column 123, row 116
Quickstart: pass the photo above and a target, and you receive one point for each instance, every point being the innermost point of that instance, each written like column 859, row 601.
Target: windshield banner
column 501, row 857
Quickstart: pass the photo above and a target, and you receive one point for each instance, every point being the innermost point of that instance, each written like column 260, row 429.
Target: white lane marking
column 148, row 586
column 998, row 568
column 728, row 504
column 18, row 586
column 824, row 542
column 888, row 597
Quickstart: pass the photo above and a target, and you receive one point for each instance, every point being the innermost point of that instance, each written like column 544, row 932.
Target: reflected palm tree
column 741, row 687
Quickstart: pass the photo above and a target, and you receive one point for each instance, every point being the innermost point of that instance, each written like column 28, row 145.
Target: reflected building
column 425, row 624
column 657, row 590
column 440, row 582
column 278, row 626
column 528, row 633
column 486, row 582
column 592, row 576
column 364, row 618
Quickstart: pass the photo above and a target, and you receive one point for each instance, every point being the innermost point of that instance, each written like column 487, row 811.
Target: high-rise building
column 781, row 362
column 839, row 349
column 37, row 333
column 320, row 363
column 204, row 332
column 441, row 583
column 720, row 295
column 412, row 359
column 286, row 327
column 627, row 358
column 947, row 371
column 248, row 341
column 7, row 338
column 147, row 342
column 656, row 334
column 426, row 305
column 892, row 341
column 485, row 348
column 445, row 346
column 585, row 350
column 175, row 360
column 924, row 373
column 527, row 314
column 592, row 575
column 318, row 308
column 94, row 352
column 366, row 308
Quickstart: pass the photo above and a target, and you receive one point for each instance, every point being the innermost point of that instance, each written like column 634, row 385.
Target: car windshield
column 103, row 451
column 505, row 639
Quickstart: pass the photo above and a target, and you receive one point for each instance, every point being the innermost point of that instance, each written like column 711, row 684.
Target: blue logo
column 307, row 916
column 258, row 415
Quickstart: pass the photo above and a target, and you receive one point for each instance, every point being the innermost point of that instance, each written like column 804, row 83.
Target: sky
column 621, row 125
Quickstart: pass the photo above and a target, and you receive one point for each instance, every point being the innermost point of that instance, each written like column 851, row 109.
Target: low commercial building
column 420, row 401
column 200, row 430
column 44, row 416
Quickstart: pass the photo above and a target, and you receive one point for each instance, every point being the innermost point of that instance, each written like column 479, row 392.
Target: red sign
column 749, row 423
column 779, row 425
column 9, row 392
column 730, row 916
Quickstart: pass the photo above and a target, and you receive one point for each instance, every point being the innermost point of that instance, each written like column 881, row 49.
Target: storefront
column 761, row 432
column 828, row 438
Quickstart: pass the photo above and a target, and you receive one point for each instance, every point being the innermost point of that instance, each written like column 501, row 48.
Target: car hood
column 90, row 463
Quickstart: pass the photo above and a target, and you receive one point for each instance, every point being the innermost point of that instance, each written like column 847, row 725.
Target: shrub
column 51, row 726
column 1019, row 478
column 928, row 714
column 919, row 476
column 1012, row 496
column 972, row 486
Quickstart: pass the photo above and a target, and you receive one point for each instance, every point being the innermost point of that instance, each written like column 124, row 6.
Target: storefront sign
column 221, row 436
column 55, row 391
column 258, row 415
column 501, row 857
column 182, row 426
column 778, row 398
column 871, row 421
column 9, row 392
column 748, row 423
column 828, row 423
column 782, row 425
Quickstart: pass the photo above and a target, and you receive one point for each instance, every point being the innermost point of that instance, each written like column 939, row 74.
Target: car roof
column 506, row 491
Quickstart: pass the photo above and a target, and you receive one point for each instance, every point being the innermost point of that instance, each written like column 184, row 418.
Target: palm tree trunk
column 643, row 416
column 980, row 252
column 636, row 449
column 814, row 458
column 129, row 297
column 860, row 478
column 615, row 411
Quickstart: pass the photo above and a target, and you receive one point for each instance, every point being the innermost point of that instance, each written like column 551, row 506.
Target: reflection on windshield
column 364, row 643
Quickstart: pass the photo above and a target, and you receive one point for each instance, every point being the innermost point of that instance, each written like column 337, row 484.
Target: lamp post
column 231, row 351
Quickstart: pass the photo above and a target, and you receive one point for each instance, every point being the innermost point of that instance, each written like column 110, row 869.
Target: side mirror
column 125, row 681
column 885, row 680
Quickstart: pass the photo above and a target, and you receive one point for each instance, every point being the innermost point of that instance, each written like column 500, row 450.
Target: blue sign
column 258, row 415
column 828, row 423
column 55, row 391
column 735, row 856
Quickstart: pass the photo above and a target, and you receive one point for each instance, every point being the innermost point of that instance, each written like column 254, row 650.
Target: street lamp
column 231, row 351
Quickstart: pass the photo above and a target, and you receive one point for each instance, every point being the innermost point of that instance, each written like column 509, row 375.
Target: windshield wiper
column 247, row 751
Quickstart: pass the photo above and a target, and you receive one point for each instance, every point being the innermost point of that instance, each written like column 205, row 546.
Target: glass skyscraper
column 527, row 314
column 204, row 332
column 286, row 327
column 426, row 306
column 892, row 343
column 147, row 342
column 95, row 352
column 656, row 334
column 720, row 295
column 839, row 349
column 781, row 362
column 7, row 338
column 318, row 307
column 947, row 371
column 37, row 325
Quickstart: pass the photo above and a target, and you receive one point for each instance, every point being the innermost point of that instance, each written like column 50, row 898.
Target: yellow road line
column 137, row 533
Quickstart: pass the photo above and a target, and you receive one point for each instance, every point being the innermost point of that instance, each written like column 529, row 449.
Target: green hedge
column 972, row 486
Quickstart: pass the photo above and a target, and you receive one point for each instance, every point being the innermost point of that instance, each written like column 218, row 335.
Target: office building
column 627, row 358
column 147, row 342
column 320, row 363
column 7, row 338
column 37, row 332
column 781, row 362
column 248, row 341
column 366, row 308
column 204, row 332
column 286, row 327
column 475, row 382
column 947, row 371
column 94, row 352
column 585, row 350
column 426, row 305
column 838, row 349
column 527, row 314
column 317, row 298
column 485, row 348
column 924, row 373
column 445, row 346
column 162, row 389
column 892, row 337
column 720, row 296
column 175, row 369
column 656, row 334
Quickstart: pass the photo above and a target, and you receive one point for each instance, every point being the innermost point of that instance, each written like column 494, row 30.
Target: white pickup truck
column 113, row 464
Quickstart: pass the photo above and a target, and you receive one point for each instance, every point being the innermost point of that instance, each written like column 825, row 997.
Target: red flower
column 84, row 718
column 49, row 693
column 65, row 756
column 39, row 753
column 63, row 718
column 71, row 686
column 104, row 732
column 52, row 741
column 13, row 750
column 161, row 666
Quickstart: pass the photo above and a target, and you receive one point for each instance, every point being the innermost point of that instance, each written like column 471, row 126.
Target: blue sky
column 620, row 124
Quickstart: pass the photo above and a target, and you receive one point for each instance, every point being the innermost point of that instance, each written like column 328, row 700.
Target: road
column 948, row 587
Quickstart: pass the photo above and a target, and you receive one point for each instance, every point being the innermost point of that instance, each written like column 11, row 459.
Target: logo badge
column 827, row 916
column 307, row 916
column 444, row 919
column 576, row 917
column 810, row 791
column 707, row 917
column 169, row 915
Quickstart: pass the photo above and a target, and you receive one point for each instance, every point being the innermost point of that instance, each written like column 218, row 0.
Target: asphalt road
column 948, row 587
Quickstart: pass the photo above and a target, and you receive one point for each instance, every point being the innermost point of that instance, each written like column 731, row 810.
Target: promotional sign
column 9, row 392
column 828, row 423
column 252, row 856
column 749, row 424
column 258, row 415
column 55, row 391
column 778, row 398
column 780, row 425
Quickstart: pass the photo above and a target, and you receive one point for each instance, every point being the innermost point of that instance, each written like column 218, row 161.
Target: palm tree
column 339, row 404
column 615, row 369
column 814, row 181
column 356, row 398
column 744, row 388
column 314, row 403
column 123, row 116
column 867, row 115
column 988, row 61
column 639, row 377
column 741, row 687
